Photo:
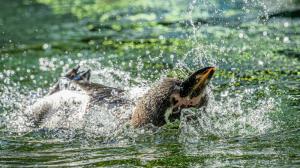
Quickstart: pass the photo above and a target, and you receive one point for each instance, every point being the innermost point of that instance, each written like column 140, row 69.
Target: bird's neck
column 152, row 107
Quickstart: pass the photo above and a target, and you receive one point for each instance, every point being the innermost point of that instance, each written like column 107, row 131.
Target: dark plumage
column 152, row 106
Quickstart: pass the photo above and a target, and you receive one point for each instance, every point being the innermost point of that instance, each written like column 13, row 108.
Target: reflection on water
column 252, row 117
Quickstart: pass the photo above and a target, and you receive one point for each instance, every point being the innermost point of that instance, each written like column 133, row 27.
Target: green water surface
column 255, row 90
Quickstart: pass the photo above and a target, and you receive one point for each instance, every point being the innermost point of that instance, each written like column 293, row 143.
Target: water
column 252, row 118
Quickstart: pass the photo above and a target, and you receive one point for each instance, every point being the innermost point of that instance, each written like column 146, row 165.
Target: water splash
column 229, row 115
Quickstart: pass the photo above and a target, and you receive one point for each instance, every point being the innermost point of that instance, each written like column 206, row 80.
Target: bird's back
column 67, row 107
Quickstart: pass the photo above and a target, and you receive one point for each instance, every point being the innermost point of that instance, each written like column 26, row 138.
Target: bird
column 164, row 102
column 161, row 104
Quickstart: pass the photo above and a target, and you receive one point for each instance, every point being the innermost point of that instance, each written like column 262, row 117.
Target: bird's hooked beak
column 194, row 84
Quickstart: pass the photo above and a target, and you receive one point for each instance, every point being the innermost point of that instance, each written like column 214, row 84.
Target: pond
column 253, row 114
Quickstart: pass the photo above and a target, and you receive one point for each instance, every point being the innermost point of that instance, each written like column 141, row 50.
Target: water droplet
column 286, row 40
column 46, row 46
column 241, row 35
column 161, row 37
column 172, row 56
column 265, row 33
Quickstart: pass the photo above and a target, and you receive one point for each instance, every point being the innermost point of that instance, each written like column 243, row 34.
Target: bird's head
column 167, row 99
column 191, row 92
